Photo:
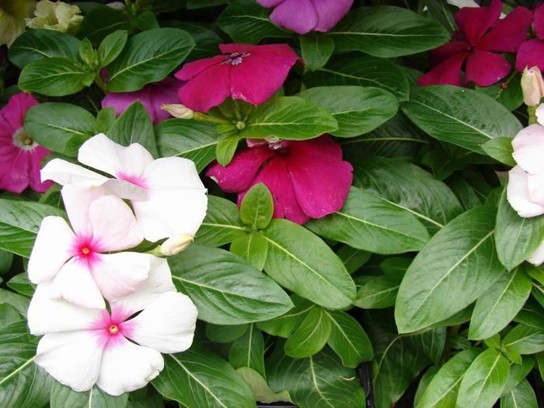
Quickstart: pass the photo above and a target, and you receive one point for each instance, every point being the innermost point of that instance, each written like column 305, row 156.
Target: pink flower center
column 136, row 180
column 111, row 330
column 22, row 140
column 84, row 250
column 236, row 58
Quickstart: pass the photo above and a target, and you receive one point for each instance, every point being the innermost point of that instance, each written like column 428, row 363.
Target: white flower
column 118, row 350
column 167, row 194
column 76, row 259
column 58, row 16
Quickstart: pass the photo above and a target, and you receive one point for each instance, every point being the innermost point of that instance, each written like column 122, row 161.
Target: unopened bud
column 178, row 111
column 175, row 244
column 532, row 86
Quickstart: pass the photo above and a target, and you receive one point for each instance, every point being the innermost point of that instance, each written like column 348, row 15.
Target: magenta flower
column 251, row 73
column 531, row 53
column 152, row 96
column 20, row 156
column 303, row 16
column 477, row 45
column 307, row 179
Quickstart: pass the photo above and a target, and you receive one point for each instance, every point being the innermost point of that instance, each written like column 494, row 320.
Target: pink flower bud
column 532, row 86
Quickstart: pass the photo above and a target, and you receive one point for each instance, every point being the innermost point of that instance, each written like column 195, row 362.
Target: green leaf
column 527, row 233
column 363, row 71
column 19, row 224
column 225, row 289
column 251, row 247
column 459, row 116
column 20, row 284
column 484, row 380
column 134, row 126
column 148, row 57
column 290, row 118
column 198, row 378
column 18, row 302
column 190, row 139
column 518, row 372
column 65, row 397
column 285, row 325
column 54, row 77
column 500, row 148
column 348, row 339
column 352, row 258
column 247, row 22
column 409, row 187
column 60, row 127
column 225, row 334
column 22, row 383
column 444, row 386
column 378, row 293
column 316, row 49
column 370, row 223
column 300, row 261
column 111, row 47
column 102, row 21
column 317, row 381
column 357, row 109
column 499, row 305
column 34, row 45
column 310, row 336
column 257, row 207
column 524, row 340
column 387, row 32
column 225, row 149
column 9, row 315
column 259, row 387
column 456, row 266
column 221, row 225
column 248, row 350
column 521, row 396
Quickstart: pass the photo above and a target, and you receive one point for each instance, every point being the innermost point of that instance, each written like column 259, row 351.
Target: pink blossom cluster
column 106, row 311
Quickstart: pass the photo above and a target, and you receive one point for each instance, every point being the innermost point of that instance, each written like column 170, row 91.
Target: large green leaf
column 370, row 223
column 310, row 336
column 111, row 46
column 316, row 49
column 198, row 378
column 361, row 70
column 523, row 339
column 286, row 324
column 222, row 223
column 248, row 350
column 300, row 261
column 226, row 289
column 148, row 57
column 60, row 127
column 19, row 224
column 378, row 293
column 523, row 396
column 459, row 116
column 290, row 118
column 101, row 21
column 455, row 267
column 387, row 32
column 65, row 397
column 252, row 247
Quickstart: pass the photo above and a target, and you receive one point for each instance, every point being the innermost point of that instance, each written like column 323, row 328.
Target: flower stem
column 531, row 111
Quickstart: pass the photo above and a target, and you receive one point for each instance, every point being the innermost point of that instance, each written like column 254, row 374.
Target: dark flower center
column 236, row 58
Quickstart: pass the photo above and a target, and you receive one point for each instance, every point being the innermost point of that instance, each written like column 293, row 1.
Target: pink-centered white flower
column 166, row 194
column 118, row 348
column 77, row 259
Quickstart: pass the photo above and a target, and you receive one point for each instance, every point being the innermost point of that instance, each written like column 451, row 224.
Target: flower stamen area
column 113, row 329
column 236, row 58
column 22, row 140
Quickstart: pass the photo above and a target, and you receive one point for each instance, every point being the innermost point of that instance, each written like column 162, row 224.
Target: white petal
column 48, row 314
column 535, row 184
column 125, row 190
column 63, row 172
column 75, row 284
column 537, row 257
column 120, row 274
column 529, row 149
column 72, row 358
column 158, row 282
column 127, row 367
column 171, row 212
column 540, row 114
column 517, row 193
column 51, row 250
column 77, row 201
column 104, row 154
column 167, row 324
column 173, row 173
column 113, row 224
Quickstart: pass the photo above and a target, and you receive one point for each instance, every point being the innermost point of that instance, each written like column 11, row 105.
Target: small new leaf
column 257, row 207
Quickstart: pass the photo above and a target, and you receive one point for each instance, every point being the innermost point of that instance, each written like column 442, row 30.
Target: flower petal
column 269, row 3
column 517, row 193
column 535, row 185
column 192, row 69
column 207, row 89
column 529, row 149
column 52, row 249
column 167, row 324
column 77, row 201
column 299, row 16
column 75, row 284
column 127, row 367
column 530, row 54
column 538, row 21
column 71, row 358
column 537, row 257
column 446, row 73
column 474, row 22
column 330, row 12
column 15, row 110
column 446, row 51
column 63, row 172
column 486, row 68
column 508, row 33
column 36, row 157
column 172, row 173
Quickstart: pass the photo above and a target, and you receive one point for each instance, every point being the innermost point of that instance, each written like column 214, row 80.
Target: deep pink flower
column 303, row 16
column 531, row 53
column 252, row 73
column 20, row 156
column 307, row 179
column 152, row 96
column 477, row 45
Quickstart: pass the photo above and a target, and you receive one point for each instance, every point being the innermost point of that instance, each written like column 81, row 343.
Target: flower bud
column 175, row 244
column 178, row 111
column 532, row 86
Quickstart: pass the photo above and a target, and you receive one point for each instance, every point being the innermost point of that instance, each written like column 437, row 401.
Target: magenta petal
column 446, row 73
column 241, row 171
column 538, row 21
column 485, row 68
column 299, row 16
column 16, row 178
column 12, row 115
column 192, row 69
column 475, row 21
column 165, row 92
column 37, row 156
column 120, row 101
column 206, row 90
column 324, row 147
column 330, row 12
column 441, row 54
column 509, row 32
column 530, row 54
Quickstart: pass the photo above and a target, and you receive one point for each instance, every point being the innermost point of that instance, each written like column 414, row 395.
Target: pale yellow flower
column 12, row 18
column 58, row 16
